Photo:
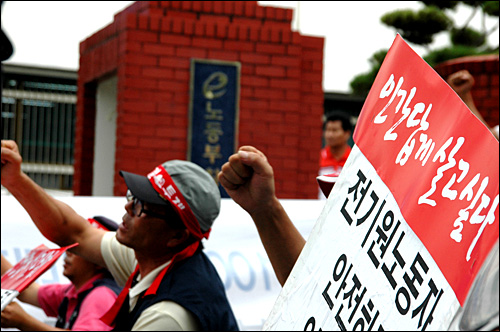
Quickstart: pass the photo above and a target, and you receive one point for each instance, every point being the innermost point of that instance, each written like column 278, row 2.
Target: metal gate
column 38, row 112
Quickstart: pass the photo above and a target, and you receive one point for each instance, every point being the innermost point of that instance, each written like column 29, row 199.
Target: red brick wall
column 149, row 46
column 485, row 91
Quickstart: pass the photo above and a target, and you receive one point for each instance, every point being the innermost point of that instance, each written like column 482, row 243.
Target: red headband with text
column 165, row 186
column 96, row 224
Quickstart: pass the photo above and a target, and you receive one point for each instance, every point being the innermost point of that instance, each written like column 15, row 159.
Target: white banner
column 234, row 247
column 370, row 272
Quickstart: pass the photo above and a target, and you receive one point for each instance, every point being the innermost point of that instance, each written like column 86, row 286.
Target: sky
column 48, row 33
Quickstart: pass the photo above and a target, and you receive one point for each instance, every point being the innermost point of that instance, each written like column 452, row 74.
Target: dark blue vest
column 194, row 284
column 107, row 281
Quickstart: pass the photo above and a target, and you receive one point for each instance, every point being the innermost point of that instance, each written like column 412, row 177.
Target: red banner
column 439, row 161
column 31, row 267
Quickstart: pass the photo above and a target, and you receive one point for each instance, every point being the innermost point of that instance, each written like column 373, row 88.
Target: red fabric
column 329, row 164
column 96, row 224
column 98, row 300
column 165, row 186
column 438, row 160
column 109, row 317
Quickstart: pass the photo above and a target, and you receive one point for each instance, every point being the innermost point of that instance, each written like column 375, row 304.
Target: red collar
column 110, row 316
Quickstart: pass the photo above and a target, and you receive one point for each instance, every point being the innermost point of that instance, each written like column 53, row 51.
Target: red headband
column 96, row 224
column 165, row 186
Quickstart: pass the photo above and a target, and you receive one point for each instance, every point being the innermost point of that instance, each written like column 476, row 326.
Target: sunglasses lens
column 138, row 207
column 129, row 196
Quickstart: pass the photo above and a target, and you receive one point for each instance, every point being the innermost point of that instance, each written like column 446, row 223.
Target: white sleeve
column 166, row 316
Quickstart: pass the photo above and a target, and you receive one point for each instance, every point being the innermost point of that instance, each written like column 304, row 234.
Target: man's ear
column 179, row 237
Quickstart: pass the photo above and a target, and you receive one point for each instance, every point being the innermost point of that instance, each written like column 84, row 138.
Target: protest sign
column 411, row 219
column 21, row 275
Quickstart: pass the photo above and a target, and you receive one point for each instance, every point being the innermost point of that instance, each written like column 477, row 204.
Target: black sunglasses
column 135, row 201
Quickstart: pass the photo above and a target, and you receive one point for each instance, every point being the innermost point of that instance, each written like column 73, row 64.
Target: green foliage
column 442, row 4
column 377, row 58
column 491, row 8
column 467, row 37
column 420, row 27
column 448, row 53
column 488, row 7
column 362, row 83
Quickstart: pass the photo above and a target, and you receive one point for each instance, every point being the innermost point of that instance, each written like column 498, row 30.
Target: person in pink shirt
column 77, row 306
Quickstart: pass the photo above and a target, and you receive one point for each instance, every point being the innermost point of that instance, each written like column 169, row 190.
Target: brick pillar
column 149, row 47
column 84, row 138
column 484, row 68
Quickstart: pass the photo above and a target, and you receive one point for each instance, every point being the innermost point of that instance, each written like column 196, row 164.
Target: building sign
column 213, row 113
column 411, row 219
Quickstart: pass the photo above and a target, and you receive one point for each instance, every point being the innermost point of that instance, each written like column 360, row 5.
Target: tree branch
column 466, row 24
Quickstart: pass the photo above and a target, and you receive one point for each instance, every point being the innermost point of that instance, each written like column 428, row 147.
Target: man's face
column 143, row 232
column 334, row 135
column 76, row 267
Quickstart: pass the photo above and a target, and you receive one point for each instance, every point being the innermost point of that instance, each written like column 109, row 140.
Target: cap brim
column 326, row 183
column 106, row 223
column 141, row 188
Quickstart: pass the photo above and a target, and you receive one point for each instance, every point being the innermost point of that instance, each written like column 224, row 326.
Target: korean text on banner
column 21, row 275
column 411, row 218
column 439, row 161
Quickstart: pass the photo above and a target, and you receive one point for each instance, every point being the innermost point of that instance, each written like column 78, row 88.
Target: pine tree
column 419, row 27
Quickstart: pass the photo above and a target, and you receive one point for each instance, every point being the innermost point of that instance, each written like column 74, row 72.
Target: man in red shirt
column 337, row 130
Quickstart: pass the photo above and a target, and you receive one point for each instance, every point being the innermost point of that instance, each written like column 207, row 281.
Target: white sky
column 48, row 33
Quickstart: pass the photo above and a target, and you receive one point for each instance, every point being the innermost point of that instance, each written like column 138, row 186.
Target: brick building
column 134, row 90
column 484, row 68
column 134, row 80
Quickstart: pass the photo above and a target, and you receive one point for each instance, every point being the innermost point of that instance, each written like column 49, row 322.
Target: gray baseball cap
column 197, row 186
